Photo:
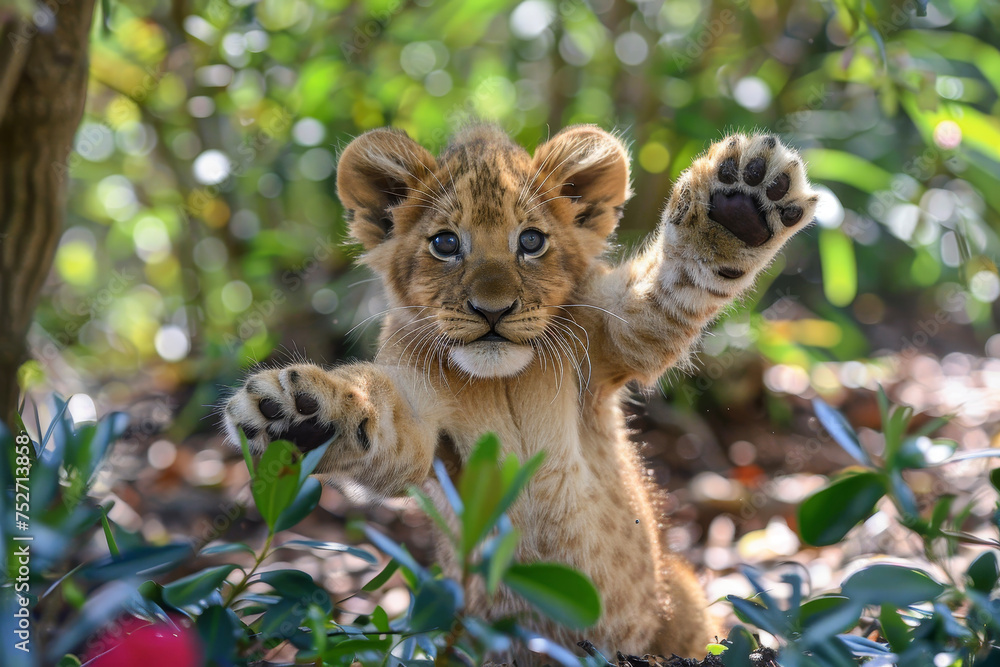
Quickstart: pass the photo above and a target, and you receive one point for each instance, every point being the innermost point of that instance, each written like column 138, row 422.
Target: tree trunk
column 43, row 86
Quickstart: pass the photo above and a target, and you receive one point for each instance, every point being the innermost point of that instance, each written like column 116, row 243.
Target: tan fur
column 580, row 327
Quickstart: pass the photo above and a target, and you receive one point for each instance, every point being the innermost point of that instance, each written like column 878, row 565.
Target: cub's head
column 482, row 245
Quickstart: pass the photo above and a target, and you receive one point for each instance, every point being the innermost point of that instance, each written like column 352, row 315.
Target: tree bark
column 43, row 87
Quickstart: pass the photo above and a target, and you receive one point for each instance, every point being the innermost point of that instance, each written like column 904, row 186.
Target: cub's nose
column 493, row 317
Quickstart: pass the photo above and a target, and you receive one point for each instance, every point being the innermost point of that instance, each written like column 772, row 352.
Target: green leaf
column 715, row 649
column 977, row 454
column 382, row 577
column 894, row 430
column 316, row 618
column 380, row 619
column 298, row 587
column 312, row 459
column 141, row 561
column 921, row 452
column 481, row 488
column 864, row 647
column 227, row 548
column 896, row 631
column 351, row 648
column 986, row 610
column 431, row 510
column 541, row 645
column 306, row 500
column 397, row 552
column 108, row 535
column 904, row 496
column 931, row 426
column 820, row 608
column 827, row 515
column 758, row 615
column 194, row 588
column 68, row 661
column 498, row 558
column 833, row 165
column 516, row 478
column 839, row 267
column 995, row 478
column 560, row 592
column 984, row 572
column 891, row 584
column 942, row 508
column 220, row 631
column 245, row 448
column 823, row 625
column 276, row 483
column 951, row 625
column 740, row 643
column 283, row 619
column 450, row 492
column 330, row 546
column 840, row 430
column 883, row 404
column 435, row 605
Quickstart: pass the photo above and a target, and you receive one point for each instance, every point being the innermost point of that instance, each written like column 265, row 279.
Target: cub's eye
column 532, row 242
column 444, row 245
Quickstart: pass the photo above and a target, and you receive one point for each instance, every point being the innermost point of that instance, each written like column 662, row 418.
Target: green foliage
column 240, row 611
column 918, row 616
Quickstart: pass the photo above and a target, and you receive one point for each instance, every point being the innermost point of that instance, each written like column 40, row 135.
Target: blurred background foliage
column 204, row 231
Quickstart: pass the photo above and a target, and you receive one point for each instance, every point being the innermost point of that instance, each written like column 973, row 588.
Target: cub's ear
column 376, row 172
column 588, row 169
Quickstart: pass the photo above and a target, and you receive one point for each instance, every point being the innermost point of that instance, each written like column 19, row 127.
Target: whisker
column 542, row 194
column 401, row 328
column 550, row 199
column 537, row 172
column 578, row 363
column 587, row 305
column 551, row 171
column 383, row 312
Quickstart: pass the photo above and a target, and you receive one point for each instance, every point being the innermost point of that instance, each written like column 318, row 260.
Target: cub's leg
column 383, row 432
column 727, row 217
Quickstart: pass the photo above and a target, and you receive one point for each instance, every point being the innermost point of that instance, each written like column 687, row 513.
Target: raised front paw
column 307, row 406
column 741, row 201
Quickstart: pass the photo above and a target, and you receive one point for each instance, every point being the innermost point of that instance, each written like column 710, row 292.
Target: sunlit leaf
column 196, row 587
column 891, row 584
column 276, row 481
column 563, row 594
column 827, row 515
column 840, row 271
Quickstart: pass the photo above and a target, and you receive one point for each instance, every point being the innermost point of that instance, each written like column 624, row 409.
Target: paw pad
column 728, row 171
column 778, row 187
column 754, row 172
column 269, row 408
column 738, row 213
column 730, row 273
column 791, row 215
column 306, row 404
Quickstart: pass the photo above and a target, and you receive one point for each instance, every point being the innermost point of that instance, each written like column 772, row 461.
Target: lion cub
column 505, row 315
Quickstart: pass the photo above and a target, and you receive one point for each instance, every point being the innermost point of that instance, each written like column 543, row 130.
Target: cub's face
column 481, row 247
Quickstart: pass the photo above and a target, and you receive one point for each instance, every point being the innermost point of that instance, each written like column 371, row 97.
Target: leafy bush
column 907, row 616
column 910, row 618
column 242, row 612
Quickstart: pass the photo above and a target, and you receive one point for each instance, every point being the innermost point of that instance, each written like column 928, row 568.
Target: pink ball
column 136, row 642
